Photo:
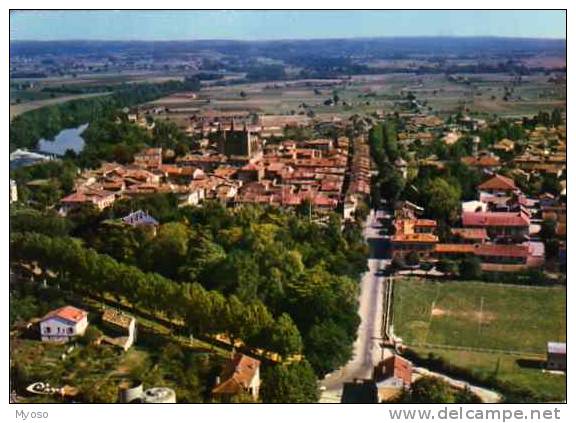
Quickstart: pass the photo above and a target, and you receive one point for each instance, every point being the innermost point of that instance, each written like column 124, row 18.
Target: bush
column 469, row 268
column 91, row 336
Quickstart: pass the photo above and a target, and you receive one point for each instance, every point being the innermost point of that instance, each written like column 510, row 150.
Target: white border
column 252, row 413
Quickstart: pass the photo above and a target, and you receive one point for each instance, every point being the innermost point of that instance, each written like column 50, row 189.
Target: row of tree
column 205, row 312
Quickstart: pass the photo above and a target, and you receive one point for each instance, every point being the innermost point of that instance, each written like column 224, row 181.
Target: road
column 367, row 352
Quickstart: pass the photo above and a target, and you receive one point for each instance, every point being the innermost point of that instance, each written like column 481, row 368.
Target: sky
column 270, row 25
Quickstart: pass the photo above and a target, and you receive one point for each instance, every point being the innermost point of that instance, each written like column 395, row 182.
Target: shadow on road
column 379, row 248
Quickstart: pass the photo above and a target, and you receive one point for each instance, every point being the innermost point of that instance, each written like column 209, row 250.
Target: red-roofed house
column 498, row 184
column 62, row 324
column 513, row 226
column 414, row 235
column 149, row 158
column 240, row 374
column 99, row 198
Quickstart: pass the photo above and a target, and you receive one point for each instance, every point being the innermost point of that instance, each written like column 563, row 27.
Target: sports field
column 479, row 315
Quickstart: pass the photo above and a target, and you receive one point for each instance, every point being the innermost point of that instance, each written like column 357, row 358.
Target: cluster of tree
column 265, row 73
column 383, row 139
column 290, row 264
column 84, row 271
column 53, row 180
column 433, row 390
column 272, row 260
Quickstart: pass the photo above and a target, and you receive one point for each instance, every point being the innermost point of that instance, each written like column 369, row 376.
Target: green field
column 469, row 317
column 506, row 368
column 479, row 315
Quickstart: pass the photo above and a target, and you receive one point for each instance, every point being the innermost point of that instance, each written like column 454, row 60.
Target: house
column 97, row 197
column 250, row 173
column 498, row 185
column 487, row 162
column 504, row 145
column 392, row 376
column 505, row 225
column 121, row 327
column 556, row 359
column 470, row 235
column 13, row 191
column 140, row 218
column 414, row 235
column 149, row 158
column 240, row 375
column 62, row 324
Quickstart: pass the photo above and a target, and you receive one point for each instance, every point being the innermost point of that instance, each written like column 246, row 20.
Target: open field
column 480, row 94
column 18, row 109
column 479, row 315
column 514, row 369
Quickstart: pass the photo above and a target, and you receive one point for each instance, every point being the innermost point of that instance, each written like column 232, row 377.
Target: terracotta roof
column 415, row 238
column 454, row 248
column 498, row 182
column 470, row 233
column 427, row 223
column 117, row 318
column 237, row 374
column 502, row 250
column 483, row 161
column 68, row 313
column 487, row 219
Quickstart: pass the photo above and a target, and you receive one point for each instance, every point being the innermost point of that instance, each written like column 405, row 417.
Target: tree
column 91, row 335
column 556, row 117
column 412, row 258
column 327, row 347
column 548, row 229
column 442, row 199
column 430, row 390
column 469, row 268
column 466, row 396
column 290, row 383
column 284, row 337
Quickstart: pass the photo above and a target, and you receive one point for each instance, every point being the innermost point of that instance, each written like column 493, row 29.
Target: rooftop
column 68, row 313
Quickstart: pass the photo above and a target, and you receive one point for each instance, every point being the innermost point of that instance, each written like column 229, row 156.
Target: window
column 70, row 330
column 47, row 329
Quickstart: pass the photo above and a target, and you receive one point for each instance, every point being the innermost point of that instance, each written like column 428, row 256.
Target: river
column 67, row 139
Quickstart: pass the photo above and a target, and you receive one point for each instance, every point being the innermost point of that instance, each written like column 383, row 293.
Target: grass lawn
column 507, row 368
column 479, row 315
column 485, row 316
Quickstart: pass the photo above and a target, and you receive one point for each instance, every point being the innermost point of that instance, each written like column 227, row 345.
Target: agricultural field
column 478, row 94
column 479, row 315
column 39, row 102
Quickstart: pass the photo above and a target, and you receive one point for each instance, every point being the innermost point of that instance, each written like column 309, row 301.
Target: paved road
column 367, row 351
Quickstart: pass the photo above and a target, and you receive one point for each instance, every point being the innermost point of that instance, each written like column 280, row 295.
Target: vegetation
column 28, row 128
column 519, row 378
column 204, row 277
column 478, row 315
column 291, row 383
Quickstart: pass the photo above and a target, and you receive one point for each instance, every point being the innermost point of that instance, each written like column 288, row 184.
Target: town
column 214, row 230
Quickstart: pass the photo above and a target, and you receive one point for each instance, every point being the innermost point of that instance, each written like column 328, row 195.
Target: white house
column 13, row 191
column 63, row 324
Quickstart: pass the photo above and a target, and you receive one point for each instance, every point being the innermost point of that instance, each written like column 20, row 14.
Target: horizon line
column 294, row 39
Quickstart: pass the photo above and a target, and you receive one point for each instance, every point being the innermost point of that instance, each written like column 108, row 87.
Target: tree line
column 27, row 128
